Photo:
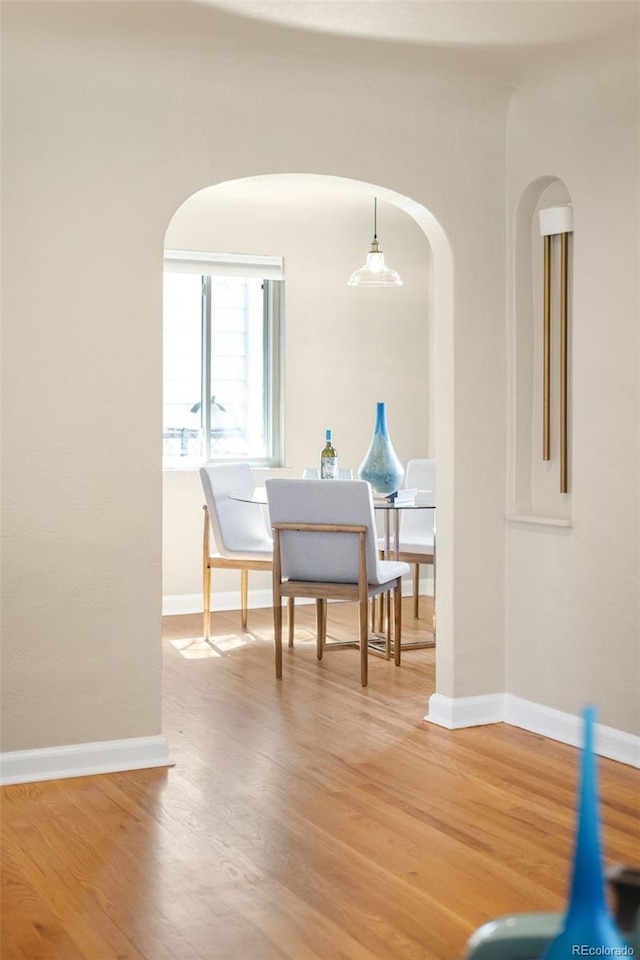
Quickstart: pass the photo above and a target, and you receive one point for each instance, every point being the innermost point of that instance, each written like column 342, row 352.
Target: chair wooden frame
column 416, row 477
column 215, row 561
column 415, row 559
column 360, row 592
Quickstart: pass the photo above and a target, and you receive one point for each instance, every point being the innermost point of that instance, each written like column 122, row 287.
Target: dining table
column 391, row 508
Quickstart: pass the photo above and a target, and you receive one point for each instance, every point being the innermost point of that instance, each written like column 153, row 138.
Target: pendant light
column 375, row 272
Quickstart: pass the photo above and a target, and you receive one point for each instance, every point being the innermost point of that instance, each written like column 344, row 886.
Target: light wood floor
column 308, row 819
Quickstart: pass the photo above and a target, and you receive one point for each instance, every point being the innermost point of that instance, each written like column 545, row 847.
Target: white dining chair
column 417, row 527
column 325, row 548
column 240, row 534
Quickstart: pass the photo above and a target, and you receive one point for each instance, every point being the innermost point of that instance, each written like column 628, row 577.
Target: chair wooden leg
column 277, row 633
column 416, row 589
column 206, row 600
column 324, row 623
column 244, row 596
column 290, row 619
column 387, row 624
column 381, row 612
column 377, row 612
column 321, row 626
column 364, row 639
column 397, row 629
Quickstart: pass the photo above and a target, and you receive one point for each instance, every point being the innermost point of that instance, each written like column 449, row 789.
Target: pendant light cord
column 375, row 218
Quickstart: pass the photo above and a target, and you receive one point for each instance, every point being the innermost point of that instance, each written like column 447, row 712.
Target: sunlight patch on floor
column 197, row 648
column 230, row 641
column 194, row 648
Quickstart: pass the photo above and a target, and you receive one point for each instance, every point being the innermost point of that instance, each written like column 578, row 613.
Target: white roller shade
column 224, row 264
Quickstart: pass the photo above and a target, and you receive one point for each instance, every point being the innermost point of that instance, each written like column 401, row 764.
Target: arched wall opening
column 345, row 348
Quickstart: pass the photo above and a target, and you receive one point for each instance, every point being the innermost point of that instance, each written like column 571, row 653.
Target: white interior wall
column 573, row 599
column 345, row 348
column 91, row 103
column 113, row 114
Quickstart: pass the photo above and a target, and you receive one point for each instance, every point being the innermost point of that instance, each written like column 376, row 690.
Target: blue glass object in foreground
column 381, row 466
column 588, row 923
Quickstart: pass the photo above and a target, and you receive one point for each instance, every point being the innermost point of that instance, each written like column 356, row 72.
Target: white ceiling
column 463, row 23
column 503, row 40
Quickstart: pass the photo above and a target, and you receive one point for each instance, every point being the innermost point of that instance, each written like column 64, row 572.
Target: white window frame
column 271, row 271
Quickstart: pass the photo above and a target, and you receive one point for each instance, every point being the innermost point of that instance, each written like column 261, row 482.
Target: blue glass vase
column 381, row 466
column 588, row 925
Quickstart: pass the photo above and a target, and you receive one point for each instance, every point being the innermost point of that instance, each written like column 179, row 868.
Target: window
column 222, row 326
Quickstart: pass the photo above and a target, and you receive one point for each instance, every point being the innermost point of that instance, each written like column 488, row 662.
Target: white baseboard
column 455, row 713
column 566, row 727
column 178, row 604
column 83, row 759
column 192, row 602
column 229, row 600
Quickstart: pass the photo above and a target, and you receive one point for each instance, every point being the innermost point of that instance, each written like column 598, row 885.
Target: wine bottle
column 328, row 460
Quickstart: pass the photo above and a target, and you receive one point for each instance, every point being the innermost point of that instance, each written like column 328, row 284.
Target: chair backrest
column 419, row 524
column 237, row 527
column 324, row 557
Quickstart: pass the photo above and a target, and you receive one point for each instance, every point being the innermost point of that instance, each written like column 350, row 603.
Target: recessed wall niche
column 537, row 482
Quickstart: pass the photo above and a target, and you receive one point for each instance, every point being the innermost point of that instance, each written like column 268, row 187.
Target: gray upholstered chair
column 325, row 548
column 240, row 534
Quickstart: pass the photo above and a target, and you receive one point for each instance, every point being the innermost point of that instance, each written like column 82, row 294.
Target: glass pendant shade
column 375, row 272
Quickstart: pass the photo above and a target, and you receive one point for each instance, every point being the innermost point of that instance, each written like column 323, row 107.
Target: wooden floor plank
column 305, row 819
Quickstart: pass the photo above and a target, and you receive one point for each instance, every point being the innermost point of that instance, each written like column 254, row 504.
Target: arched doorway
column 326, row 224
